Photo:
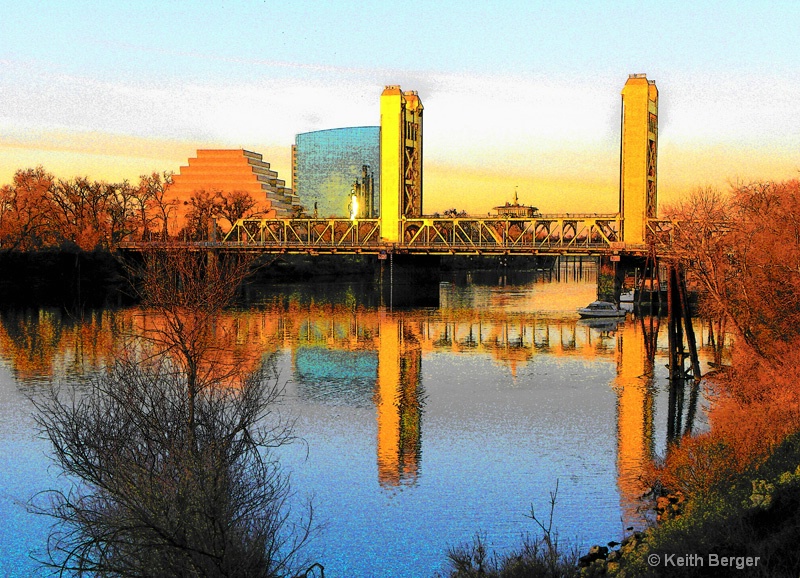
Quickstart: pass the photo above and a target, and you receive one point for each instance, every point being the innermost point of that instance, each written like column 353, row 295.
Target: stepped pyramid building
column 227, row 171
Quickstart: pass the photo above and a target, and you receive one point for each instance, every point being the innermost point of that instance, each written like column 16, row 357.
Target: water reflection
column 634, row 385
column 43, row 343
column 361, row 357
column 387, row 368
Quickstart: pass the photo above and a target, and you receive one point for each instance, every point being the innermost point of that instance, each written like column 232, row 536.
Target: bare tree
column 153, row 205
column 235, row 205
column 80, row 211
column 187, row 292
column 122, row 211
column 171, row 451
column 203, row 206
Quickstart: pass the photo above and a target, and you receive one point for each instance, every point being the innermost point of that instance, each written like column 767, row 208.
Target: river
column 421, row 427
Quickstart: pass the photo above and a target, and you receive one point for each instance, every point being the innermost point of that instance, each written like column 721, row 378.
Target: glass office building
column 326, row 164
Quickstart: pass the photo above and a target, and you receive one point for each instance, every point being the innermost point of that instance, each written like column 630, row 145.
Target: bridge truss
column 594, row 234
column 666, row 234
column 542, row 234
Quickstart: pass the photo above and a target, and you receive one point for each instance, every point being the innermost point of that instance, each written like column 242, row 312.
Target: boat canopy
column 601, row 305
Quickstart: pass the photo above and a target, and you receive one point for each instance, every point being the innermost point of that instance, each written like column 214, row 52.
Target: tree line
column 39, row 211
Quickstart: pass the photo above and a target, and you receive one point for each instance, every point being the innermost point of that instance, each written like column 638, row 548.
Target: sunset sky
column 520, row 94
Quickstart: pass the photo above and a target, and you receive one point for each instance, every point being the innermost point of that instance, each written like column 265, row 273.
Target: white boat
column 601, row 310
column 626, row 300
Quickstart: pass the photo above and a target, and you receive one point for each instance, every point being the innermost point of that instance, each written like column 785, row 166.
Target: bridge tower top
column 638, row 199
column 401, row 159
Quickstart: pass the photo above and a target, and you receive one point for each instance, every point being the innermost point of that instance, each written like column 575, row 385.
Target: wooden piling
column 675, row 333
column 687, row 320
column 680, row 322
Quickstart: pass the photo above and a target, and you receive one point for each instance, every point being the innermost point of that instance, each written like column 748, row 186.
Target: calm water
column 421, row 427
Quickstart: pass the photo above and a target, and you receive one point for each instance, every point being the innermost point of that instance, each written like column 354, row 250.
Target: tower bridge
column 401, row 227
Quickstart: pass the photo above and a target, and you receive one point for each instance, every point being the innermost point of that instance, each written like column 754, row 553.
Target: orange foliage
column 754, row 408
column 744, row 250
column 24, row 210
column 38, row 211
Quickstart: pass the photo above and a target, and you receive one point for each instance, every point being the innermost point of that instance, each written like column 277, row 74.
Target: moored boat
column 626, row 296
column 601, row 310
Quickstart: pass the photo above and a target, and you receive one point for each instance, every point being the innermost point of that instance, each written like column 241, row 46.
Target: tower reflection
column 635, row 414
column 398, row 402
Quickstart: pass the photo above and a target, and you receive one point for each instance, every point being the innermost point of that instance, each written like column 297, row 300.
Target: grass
column 542, row 556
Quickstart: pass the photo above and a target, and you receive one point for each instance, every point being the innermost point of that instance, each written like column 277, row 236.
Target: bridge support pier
column 409, row 280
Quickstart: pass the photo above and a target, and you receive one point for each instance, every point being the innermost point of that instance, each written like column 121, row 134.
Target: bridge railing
column 567, row 233
column 306, row 234
column 524, row 234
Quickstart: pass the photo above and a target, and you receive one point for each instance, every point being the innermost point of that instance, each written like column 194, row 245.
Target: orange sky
column 579, row 179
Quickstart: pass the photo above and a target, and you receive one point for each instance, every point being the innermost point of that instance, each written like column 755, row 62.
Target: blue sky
column 515, row 93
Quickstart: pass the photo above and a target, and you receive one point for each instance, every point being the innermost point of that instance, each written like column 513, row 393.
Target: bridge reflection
column 375, row 358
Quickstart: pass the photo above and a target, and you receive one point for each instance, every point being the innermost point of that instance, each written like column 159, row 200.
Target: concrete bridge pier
column 409, row 280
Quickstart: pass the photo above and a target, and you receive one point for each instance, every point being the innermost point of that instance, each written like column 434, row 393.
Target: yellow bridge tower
column 638, row 150
column 401, row 160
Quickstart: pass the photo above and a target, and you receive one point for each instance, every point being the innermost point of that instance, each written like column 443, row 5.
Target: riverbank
column 749, row 528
